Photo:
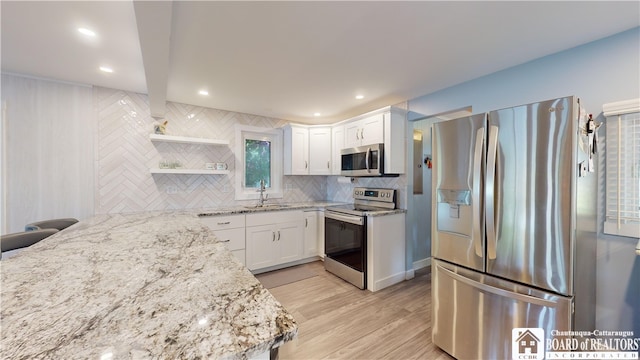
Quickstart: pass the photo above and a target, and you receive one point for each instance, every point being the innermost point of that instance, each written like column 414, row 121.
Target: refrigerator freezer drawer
column 474, row 313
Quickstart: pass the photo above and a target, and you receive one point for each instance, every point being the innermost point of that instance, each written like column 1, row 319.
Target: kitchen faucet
column 263, row 196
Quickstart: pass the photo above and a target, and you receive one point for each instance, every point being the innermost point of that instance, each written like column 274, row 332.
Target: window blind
column 622, row 179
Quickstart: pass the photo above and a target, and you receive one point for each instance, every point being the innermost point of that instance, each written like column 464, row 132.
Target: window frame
column 273, row 135
column 614, row 112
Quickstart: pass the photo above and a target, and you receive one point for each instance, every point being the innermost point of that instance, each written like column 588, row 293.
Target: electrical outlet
column 171, row 189
column 225, row 188
column 288, row 186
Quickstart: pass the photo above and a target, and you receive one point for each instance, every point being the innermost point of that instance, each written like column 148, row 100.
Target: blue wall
column 603, row 71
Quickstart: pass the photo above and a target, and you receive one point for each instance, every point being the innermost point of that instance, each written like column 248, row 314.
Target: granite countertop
column 136, row 286
column 268, row 206
column 248, row 209
column 386, row 212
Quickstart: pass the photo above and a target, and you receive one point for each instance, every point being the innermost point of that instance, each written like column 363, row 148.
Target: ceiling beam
column 153, row 19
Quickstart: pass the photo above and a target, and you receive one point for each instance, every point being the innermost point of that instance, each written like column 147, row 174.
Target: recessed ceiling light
column 316, row 114
column 203, row 92
column 359, row 97
column 106, row 69
column 87, row 32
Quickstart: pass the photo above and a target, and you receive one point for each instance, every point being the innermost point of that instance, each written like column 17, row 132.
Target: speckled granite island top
column 139, row 286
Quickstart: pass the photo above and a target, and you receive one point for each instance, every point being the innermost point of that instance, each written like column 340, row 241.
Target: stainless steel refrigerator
column 514, row 226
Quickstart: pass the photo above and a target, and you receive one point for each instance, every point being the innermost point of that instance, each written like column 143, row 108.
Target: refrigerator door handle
column 477, row 176
column 497, row 291
column 492, row 153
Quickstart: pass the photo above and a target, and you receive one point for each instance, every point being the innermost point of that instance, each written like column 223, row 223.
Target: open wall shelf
column 187, row 140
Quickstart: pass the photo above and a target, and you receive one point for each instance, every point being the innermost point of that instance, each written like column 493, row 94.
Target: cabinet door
column 289, row 237
column 262, row 249
column 337, row 143
column 310, row 233
column 299, row 151
column 296, row 150
column 372, row 130
column 320, row 151
column 352, row 134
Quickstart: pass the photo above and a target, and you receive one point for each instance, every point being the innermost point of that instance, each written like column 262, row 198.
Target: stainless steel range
column 345, row 235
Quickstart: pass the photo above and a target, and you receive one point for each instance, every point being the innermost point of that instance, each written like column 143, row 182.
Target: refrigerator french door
column 513, row 221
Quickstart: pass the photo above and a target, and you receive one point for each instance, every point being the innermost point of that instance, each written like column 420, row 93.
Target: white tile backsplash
column 76, row 151
column 125, row 155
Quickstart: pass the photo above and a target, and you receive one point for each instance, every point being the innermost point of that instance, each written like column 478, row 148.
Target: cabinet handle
column 273, row 236
column 227, row 240
column 305, row 164
column 362, row 133
column 224, row 223
column 357, row 134
column 278, row 235
column 306, row 222
column 328, row 164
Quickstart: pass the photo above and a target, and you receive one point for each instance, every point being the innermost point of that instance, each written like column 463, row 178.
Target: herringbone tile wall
column 124, row 155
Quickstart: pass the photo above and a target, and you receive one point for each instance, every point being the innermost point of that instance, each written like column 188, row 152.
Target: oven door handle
column 357, row 220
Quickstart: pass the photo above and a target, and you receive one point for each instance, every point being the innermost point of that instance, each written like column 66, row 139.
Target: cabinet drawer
column 275, row 217
column 224, row 222
column 232, row 238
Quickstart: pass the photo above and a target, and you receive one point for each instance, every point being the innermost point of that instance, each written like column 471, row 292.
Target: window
column 257, row 162
column 257, row 154
column 622, row 181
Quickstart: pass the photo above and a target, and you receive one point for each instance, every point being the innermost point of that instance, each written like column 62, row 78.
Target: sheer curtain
column 47, row 151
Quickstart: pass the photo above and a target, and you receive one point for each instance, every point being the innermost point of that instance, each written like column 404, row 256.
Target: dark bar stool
column 59, row 224
column 11, row 243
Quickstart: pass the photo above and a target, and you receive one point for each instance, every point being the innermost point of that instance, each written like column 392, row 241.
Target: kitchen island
column 136, row 286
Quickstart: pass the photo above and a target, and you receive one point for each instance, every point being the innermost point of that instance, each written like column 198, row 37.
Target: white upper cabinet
column 307, row 150
column 395, row 141
column 369, row 130
column 315, row 150
column 337, row 144
column 296, row 150
column 320, row 151
column 387, row 126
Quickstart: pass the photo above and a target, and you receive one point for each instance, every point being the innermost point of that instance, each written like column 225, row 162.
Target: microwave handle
column 366, row 160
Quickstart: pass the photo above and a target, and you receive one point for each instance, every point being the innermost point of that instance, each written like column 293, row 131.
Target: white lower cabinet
column 274, row 238
column 229, row 229
column 310, row 233
column 314, row 233
column 386, row 254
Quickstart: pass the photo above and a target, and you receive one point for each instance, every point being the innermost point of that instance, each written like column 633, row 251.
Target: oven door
column 345, row 239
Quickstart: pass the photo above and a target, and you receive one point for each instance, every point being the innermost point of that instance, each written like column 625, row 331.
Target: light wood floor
column 338, row 321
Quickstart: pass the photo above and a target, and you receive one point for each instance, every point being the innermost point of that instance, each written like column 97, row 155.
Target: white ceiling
column 291, row 59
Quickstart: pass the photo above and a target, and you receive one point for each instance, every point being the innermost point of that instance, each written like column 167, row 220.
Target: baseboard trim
column 388, row 281
column 286, row 265
column 409, row 274
column 423, row 263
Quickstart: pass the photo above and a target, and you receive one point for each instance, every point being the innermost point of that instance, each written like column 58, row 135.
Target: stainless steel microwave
column 362, row 161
